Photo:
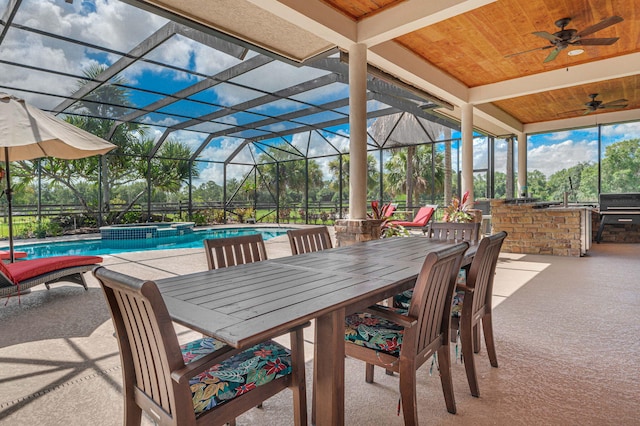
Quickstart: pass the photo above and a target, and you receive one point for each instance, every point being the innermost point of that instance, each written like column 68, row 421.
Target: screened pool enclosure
column 212, row 129
column 207, row 127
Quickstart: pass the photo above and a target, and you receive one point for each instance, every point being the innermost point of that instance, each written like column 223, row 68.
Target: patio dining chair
column 232, row 251
column 403, row 341
column 307, row 240
column 472, row 307
column 454, row 231
column 200, row 382
column 444, row 231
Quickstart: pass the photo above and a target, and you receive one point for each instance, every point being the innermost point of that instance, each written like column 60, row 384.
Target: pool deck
column 568, row 353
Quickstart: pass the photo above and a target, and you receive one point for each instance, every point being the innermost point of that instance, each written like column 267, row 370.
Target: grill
column 619, row 209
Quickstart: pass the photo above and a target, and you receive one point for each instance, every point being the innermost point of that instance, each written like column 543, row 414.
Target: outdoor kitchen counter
column 536, row 228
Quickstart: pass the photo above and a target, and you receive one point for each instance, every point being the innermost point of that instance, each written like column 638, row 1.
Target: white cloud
column 622, row 131
column 560, row 136
column 219, row 150
column 552, row 158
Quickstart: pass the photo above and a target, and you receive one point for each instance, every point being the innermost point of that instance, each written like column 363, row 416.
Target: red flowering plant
column 387, row 228
column 458, row 210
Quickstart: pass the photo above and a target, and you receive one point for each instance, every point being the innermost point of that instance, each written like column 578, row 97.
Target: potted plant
column 459, row 211
column 387, row 228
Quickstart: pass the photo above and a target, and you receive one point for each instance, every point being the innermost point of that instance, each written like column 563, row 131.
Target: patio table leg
column 329, row 369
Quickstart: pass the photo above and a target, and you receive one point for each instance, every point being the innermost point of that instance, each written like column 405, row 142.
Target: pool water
column 100, row 247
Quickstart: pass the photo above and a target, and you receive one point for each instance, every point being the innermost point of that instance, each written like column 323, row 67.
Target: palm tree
column 410, row 164
column 419, row 166
column 167, row 171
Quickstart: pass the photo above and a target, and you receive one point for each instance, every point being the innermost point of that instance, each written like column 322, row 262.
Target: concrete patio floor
column 566, row 328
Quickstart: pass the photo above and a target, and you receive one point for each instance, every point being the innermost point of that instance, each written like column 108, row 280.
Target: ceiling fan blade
column 596, row 41
column 612, row 106
column 530, row 50
column 607, row 22
column 617, row 102
column 547, row 36
column 552, row 55
column 588, row 111
column 571, row 112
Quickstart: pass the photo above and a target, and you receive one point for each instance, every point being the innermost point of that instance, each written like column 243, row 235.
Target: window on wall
column 620, row 156
column 481, row 176
column 502, row 173
column 563, row 161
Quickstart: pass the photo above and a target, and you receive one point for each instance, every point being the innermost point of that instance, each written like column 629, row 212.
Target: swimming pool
column 100, row 247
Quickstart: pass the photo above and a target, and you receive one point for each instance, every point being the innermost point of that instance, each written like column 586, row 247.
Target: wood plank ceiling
column 472, row 48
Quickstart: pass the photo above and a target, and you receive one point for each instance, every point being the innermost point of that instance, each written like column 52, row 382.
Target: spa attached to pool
column 143, row 231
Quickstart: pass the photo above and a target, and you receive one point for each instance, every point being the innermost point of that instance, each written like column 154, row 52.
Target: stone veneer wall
column 615, row 233
column 537, row 231
column 351, row 231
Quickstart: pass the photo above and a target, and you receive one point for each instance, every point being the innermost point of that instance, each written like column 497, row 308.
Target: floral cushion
column 236, row 375
column 403, row 300
column 374, row 332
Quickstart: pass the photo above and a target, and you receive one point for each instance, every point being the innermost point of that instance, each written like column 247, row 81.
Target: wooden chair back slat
column 309, row 240
column 454, row 231
column 232, row 251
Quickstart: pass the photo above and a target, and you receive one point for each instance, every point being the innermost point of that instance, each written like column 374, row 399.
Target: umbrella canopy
column 30, row 133
column 27, row 133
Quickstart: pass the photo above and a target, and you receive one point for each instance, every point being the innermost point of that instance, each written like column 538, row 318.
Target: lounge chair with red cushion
column 388, row 209
column 420, row 220
column 4, row 254
column 17, row 277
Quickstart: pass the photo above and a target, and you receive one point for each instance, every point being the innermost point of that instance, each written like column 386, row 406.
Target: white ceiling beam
column 606, row 69
column 498, row 117
column 315, row 17
column 409, row 67
column 583, row 121
column 480, row 123
column 410, row 16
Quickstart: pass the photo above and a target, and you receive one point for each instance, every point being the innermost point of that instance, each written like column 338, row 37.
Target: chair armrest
column 465, row 288
column 182, row 375
column 403, row 320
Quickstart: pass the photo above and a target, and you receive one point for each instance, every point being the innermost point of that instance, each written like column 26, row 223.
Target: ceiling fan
column 564, row 38
column 594, row 105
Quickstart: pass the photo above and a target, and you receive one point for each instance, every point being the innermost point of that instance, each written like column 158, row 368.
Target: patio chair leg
column 455, row 326
column 368, row 373
column 467, row 340
column 132, row 414
column 298, row 385
column 408, row 394
column 444, row 364
column 476, row 338
column 487, row 328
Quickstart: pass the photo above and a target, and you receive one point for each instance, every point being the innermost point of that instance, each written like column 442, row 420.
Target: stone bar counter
column 537, row 228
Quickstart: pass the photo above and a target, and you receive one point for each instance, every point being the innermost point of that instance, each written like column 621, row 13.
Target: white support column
column 467, row 150
column 358, row 131
column 523, row 191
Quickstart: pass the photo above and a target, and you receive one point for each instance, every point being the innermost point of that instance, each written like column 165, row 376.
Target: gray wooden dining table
column 247, row 304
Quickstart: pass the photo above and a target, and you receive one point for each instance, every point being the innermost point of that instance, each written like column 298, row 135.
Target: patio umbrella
column 27, row 133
